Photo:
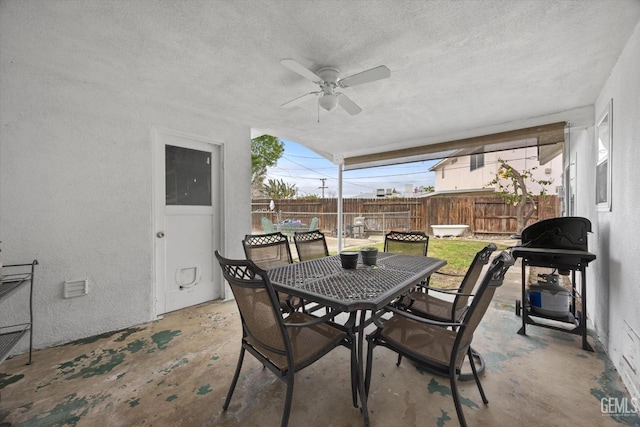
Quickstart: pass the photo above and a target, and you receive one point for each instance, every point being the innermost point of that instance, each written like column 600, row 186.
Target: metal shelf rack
column 17, row 276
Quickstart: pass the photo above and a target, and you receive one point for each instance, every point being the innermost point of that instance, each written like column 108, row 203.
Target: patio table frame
column 365, row 288
column 289, row 230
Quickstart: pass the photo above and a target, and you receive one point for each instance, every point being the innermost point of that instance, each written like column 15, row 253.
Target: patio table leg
column 363, row 397
column 355, row 384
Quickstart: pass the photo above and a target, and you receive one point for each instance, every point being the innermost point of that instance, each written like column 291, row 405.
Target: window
column 477, row 161
column 188, row 176
column 603, row 164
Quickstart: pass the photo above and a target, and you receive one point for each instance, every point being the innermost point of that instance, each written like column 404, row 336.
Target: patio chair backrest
column 267, row 225
column 310, row 245
column 314, row 224
column 267, row 251
column 408, row 243
column 471, row 278
column 493, row 278
column 258, row 304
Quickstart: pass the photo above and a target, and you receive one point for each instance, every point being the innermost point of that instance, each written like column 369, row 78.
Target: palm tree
column 278, row 189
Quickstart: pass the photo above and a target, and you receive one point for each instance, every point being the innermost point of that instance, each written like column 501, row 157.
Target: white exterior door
column 187, row 216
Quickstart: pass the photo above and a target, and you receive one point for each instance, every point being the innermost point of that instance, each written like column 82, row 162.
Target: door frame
column 158, row 274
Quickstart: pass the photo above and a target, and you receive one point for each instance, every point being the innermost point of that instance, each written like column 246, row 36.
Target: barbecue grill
column 559, row 244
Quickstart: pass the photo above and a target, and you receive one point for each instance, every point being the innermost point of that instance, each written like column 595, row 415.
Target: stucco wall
column 76, row 181
column 457, row 174
column 613, row 277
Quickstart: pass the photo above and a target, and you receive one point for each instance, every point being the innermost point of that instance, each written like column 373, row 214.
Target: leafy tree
column 278, row 189
column 512, row 187
column 266, row 150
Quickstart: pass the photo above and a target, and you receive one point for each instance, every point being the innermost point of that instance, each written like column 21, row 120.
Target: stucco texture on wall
column 77, row 184
column 617, row 231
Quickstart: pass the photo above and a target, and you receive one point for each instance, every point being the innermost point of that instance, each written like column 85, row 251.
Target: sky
column 307, row 170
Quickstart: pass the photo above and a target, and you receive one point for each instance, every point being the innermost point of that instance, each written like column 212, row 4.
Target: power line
column 305, row 167
column 304, row 157
column 278, row 171
column 360, row 177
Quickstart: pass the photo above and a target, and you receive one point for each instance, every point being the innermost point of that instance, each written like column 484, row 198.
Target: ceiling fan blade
column 348, row 105
column 299, row 100
column 300, row 69
column 377, row 73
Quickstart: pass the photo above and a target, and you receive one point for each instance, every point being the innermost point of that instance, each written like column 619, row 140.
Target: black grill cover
column 569, row 232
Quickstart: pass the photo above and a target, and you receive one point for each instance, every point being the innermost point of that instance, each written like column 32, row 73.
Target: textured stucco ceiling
column 458, row 68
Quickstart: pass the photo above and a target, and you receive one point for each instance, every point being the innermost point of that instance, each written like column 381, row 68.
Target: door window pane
column 188, row 176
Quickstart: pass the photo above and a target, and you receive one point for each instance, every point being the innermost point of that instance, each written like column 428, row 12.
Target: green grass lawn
column 457, row 252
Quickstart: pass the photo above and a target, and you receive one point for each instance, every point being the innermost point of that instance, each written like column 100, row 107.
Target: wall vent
column 76, row 288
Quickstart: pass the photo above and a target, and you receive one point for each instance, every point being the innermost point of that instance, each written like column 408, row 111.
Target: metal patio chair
column 408, row 243
column 310, row 244
column 426, row 304
column 268, row 251
column 439, row 347
column 285, row 346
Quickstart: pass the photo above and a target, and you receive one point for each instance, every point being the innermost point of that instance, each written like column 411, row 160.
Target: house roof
column 458, row 69
column 514, row 145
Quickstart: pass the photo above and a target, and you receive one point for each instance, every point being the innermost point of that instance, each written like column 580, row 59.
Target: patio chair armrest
column 443, row 290
column 422, row 319
column 444, row 273
column 329, row 316
column 425, row 283
column 402, row 302
column 454, row 291
column 376, row 316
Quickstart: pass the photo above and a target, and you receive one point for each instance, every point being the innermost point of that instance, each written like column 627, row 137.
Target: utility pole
column 323, row 186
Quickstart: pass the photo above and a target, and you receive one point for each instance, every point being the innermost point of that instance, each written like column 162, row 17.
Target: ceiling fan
column 328, row 78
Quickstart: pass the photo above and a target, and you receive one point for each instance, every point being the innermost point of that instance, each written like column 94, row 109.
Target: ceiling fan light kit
column 328, row 79
column 328, row 101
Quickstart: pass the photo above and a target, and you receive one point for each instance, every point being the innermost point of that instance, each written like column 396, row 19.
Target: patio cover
column 548, row 138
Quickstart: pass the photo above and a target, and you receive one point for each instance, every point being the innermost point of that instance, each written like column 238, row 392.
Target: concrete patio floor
column 176, row 372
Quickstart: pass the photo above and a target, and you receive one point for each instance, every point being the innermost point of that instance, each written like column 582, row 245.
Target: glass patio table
column 290, row 228
column 356, row 291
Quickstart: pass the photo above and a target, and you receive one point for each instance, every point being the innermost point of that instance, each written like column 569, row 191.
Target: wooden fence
column 483, row 214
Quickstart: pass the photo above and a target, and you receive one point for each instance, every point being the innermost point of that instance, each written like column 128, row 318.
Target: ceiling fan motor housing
column 329, row 100
column 329, row 75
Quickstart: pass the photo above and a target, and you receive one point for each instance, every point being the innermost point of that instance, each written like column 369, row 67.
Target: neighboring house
column 475, row 171
column 386, row 193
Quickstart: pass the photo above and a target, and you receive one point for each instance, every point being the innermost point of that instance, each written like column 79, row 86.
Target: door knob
column 160, row 234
